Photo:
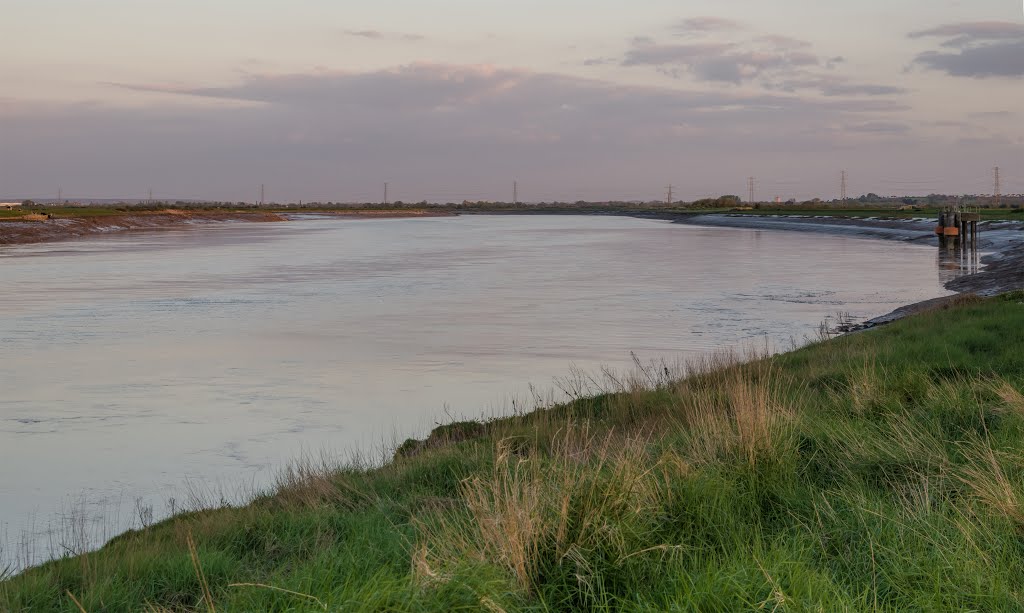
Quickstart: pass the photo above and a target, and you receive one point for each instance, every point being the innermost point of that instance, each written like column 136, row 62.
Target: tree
column 722, row 202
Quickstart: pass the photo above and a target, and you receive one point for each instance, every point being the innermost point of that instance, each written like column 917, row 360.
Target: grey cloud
column 313, row 134
column 978, row 49
column 992, row 60
column 880, row 127
column 706, row 24
column 960, row 34
column 994, row 115
column 784, row 42
column 861, row 89
column 831, row 85
column 374, row 34
column 712, row 61
column 649, row 53
column 379, row 35
column 832, row 62
column 780, row 63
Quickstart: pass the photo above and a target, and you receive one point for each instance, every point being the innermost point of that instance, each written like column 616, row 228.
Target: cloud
column 706, row 24
column 784, row 43
column 830, row 85
column 779, row 63
column 966, row 33
column 833, row 62
column 379, row 35
column 425, row 124
column 994, row 60
column 716, row 61
column 880, row 127
column 994, row 114
column 975, row 49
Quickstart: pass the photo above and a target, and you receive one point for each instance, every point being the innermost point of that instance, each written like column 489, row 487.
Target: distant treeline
column 870, row 200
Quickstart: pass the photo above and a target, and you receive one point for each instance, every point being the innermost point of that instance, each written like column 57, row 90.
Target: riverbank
column 18, row 230
column 67, row 224
column 872, row 471
column 1001, row 241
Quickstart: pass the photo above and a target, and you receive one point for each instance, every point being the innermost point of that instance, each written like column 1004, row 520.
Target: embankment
column 876, row 471
column 15, row 230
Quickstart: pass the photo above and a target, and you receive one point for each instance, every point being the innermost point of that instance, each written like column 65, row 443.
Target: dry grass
column 986, row 479
column 309, row 483
column 1012, row 398
column 739, row 415
column 532, row 511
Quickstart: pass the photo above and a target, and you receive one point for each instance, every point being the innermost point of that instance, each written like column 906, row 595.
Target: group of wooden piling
column 958, row 226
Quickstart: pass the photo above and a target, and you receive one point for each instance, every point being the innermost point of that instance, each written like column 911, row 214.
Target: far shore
column 38, row 228
column 65, row 224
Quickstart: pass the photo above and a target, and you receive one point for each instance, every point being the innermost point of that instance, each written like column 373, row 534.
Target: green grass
column 878, row 471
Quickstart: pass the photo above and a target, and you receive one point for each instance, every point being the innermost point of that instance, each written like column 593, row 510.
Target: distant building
column 9, row 205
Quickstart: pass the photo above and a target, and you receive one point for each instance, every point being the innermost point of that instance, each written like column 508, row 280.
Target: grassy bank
column 881, row 470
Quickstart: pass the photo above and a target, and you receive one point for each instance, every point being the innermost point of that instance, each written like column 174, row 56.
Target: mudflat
column 38, row 229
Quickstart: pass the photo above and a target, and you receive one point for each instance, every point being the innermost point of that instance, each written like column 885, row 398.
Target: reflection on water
column 956, row 260
column 131, row 362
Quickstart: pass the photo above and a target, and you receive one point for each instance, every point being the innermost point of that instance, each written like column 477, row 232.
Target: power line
column 669, row 198
column 842, row 186
column 750, row 189
column 385, row 193
column 515, row 192
column 261, row 194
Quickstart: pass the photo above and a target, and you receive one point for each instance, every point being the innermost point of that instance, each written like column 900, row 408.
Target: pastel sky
column 455, row 99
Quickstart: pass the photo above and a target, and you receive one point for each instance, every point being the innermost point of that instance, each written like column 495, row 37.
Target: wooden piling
column 971, row 226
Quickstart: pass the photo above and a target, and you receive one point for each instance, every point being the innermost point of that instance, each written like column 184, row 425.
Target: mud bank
column 996, row 236
column 22, row 231
column 1001, row 241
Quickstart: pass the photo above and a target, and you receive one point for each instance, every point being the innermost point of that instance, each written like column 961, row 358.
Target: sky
column 452, row 100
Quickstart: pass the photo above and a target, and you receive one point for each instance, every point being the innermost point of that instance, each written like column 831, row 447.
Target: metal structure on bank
column 957, row 226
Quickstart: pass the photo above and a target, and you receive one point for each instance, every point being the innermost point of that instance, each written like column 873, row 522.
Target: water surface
column 132, row 362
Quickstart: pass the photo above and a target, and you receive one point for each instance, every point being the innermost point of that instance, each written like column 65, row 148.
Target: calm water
column 134, row 362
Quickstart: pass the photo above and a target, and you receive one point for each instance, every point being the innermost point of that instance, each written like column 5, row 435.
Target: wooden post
column 971, row 222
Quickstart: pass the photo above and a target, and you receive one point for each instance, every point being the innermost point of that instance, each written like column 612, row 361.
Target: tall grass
column 876, row 471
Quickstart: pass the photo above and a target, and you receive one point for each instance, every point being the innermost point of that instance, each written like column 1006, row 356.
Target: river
column 139, row 366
